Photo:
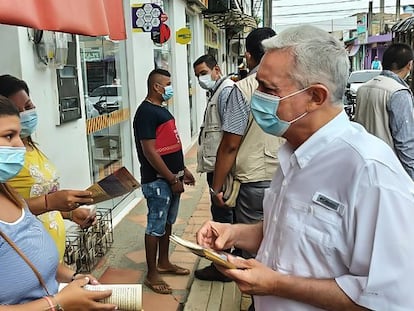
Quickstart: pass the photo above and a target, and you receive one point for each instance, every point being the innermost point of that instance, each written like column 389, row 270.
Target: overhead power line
column 324, row 12
column 317, row 3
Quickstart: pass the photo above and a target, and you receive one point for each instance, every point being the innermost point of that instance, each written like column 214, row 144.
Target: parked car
column 355, row 80
column 105, row 98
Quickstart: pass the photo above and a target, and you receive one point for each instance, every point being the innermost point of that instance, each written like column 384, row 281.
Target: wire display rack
column 85, row 247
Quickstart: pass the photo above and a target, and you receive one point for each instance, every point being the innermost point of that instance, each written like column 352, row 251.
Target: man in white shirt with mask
column 337, row 228
column 211, row 79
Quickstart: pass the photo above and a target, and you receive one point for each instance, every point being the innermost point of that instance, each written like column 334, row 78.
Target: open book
column 217, row 257
column 128, row 297
column 114, row 185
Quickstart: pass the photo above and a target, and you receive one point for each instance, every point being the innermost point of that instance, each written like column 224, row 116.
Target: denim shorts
column 162, row 206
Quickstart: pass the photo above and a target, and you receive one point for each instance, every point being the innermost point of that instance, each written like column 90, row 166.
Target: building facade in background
column 85, row 100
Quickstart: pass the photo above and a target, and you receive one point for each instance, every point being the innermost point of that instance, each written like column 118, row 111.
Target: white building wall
column 140, row 56
column 179, row 73
column 10, row 56
column 66, row 144
column 197, row 46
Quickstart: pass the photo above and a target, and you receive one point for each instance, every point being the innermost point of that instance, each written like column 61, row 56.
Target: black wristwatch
column 212, row 192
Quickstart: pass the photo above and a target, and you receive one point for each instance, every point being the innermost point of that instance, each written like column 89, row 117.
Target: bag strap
column 27, row 260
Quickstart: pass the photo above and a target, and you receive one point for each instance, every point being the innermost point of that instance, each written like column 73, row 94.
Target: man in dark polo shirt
column 163, row 174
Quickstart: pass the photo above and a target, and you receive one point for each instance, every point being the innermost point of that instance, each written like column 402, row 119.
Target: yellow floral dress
column 39, row 177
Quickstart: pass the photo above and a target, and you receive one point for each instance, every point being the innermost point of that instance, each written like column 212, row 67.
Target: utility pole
column 267, row 13
column 369, row 18
column 397, row 10
column 381, row 30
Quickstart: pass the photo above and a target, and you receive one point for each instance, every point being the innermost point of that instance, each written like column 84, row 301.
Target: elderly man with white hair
column 337, row 229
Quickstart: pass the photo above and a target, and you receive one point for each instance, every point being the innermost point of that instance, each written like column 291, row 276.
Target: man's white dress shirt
column 341, row 207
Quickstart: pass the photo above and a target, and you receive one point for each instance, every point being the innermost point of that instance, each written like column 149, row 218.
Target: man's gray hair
column 318, row 58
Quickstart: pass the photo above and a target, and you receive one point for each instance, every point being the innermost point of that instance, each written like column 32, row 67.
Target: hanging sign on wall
column 183, row 35
column 149, row 17
column 146, row 17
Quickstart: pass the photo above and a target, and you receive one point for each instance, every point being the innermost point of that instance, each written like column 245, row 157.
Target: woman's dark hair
column 397, row 56
column 10, row 85
column 7, row 107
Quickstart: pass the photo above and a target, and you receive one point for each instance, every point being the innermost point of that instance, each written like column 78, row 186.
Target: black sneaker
column 210, row 273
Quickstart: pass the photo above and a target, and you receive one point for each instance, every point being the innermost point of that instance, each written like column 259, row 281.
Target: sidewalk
column 125, row 261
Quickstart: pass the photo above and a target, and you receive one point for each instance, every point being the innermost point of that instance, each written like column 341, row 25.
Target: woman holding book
column 37, row 181
column 30, row 268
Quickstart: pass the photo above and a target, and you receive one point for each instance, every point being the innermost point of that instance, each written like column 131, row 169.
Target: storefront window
column 211, row 40
column 106, row 105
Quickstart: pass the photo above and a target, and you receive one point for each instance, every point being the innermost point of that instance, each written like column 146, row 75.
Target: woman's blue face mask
column 264, row 107
column 11, row 162
column 28, row 122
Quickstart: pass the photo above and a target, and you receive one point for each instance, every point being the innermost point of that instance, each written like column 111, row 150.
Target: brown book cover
column 114, row 185
column 217, row 257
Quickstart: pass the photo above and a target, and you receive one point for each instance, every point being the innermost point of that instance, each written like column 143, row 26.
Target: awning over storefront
column 231, row 19
column 404, row 25
column 84, row 17
column 228, row 16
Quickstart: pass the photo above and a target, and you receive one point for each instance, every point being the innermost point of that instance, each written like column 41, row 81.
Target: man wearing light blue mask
column 168, row 92
column 245, row 151
column 337, row 226
column 264, row 107
column 210, row 78
column 163, row 175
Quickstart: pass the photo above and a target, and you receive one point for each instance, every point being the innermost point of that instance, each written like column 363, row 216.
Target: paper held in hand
column 114, row 185
column 217, row 257
column 128, row 297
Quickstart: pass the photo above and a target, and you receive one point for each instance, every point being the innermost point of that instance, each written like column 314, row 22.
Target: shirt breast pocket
column 326, row 222
column 308, row 231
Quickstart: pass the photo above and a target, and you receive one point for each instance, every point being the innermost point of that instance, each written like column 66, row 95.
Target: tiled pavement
column 125, row 261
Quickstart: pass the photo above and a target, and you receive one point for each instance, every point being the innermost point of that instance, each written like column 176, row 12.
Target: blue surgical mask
column 168, row 92
column 11, row 162
column 28, row 122
column 264, row 107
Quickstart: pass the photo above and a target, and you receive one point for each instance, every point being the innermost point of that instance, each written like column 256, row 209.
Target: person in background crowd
column 210, row 78
column 385, row 104
column 337, row 227
column 245, row 151
column 376, row 64
column 30, row 268
column 37, row 181
column 163, row 175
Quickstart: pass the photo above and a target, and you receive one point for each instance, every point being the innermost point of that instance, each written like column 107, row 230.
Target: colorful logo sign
column 149, row 17
column 146, row 17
